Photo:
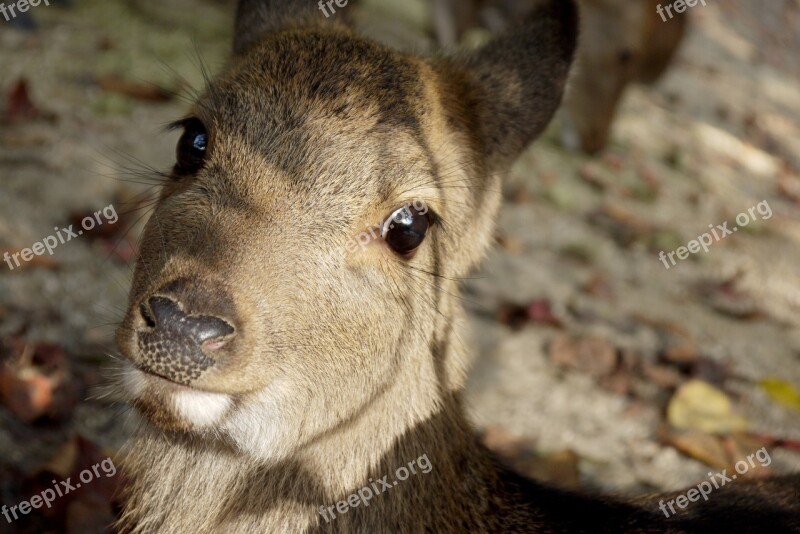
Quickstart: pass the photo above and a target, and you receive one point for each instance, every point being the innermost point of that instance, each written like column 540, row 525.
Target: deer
column 278, row 370
column 622, row 43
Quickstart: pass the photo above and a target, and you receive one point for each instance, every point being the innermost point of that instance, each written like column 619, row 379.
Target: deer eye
column 405, row 229
column 191, row 150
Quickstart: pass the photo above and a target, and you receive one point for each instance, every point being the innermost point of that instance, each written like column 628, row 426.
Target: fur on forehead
column 293, row 74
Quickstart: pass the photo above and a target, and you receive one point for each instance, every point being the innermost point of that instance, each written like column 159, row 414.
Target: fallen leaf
column 726, row 298
column 620, row 382
column 27, row 393
column 140, row 91
column 43, row 261
column 35, row 381
column 698, row 445
column 598, row 286
column 710, row 371
column 789, row 188
column 698, row 405
column 592, row 175
column 661, row 375
column 538, row 311
column 541, row 311
column 504, row 443
column 64, row 460
column 20, row 107
column 559, row 467
column 739, row 446
column 782, row 392
column 624, row 227
column 594, row 355
column 678, row 346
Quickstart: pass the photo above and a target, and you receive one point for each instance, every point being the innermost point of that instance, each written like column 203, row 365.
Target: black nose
column 166, row 315
column 176, row 344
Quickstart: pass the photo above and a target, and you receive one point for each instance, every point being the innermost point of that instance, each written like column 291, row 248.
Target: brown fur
column 346, row 364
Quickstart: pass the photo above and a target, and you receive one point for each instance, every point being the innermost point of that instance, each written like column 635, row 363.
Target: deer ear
column 505, row 93
column 256, row 18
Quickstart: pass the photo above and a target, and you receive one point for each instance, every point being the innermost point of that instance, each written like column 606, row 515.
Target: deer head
column 296, row 290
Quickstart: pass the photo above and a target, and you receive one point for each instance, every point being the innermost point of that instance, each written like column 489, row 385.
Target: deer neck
column 414, row 396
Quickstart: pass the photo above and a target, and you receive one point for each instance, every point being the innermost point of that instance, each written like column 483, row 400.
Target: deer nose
column 177, row 345
column 167, row 316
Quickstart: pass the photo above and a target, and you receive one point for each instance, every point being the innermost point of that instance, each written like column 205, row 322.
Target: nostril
column 164, row 310
column 147, row 315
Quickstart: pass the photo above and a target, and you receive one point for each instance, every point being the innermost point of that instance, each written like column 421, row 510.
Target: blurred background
column 594, row 365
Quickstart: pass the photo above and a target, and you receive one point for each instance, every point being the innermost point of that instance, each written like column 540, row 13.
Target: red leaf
column 20, row 107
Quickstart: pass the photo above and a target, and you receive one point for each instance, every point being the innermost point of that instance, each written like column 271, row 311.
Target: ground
column 594, row 364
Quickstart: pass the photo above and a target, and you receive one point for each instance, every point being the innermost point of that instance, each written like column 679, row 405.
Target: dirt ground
column 588, row 351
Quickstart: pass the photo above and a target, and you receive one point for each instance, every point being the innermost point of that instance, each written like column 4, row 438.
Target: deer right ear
column 256, row 18
column 505, row 93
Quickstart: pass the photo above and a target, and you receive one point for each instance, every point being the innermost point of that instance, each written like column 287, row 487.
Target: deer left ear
column 256, row 18
column 506, row 93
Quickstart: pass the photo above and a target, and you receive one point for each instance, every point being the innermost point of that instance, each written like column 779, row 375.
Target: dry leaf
column 594, row 355
column 26, row 392
column 45, row 262
column 64, row 460
column 698, row 405
column 781, row 392
column 559, row 468
column 140, row 91
column 20, row 107
column 698, row 445
column 541, row 311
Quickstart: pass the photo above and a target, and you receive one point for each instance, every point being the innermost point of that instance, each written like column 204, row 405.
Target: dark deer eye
column 406, row 228
column 191, row 150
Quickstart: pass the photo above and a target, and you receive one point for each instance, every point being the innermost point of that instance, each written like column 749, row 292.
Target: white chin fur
column 260, row 427
column 201, row 408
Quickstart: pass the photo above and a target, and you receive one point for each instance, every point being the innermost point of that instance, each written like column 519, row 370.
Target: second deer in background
column 622, row 42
